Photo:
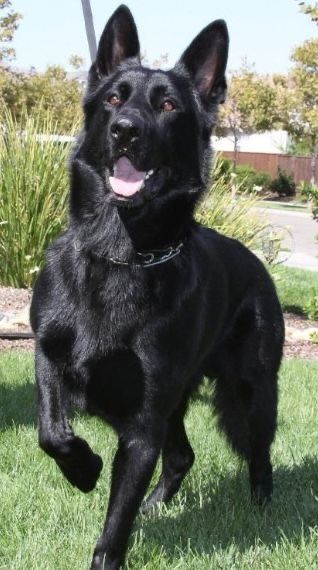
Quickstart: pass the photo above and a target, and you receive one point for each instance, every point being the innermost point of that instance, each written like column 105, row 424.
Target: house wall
column 270, row 141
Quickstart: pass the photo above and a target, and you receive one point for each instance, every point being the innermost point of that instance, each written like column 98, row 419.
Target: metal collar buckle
column 151, row 258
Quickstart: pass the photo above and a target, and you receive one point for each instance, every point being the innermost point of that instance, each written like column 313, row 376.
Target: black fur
column 131, row 343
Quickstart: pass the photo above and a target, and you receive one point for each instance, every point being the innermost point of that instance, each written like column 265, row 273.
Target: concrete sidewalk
column 302, row 261
column 304, row 230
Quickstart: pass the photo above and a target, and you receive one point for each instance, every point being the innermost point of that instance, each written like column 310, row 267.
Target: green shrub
column 245, row 177
column 314, row 201
column 303, row 190
column 33, row 195
column 310, row 192
column 311, row 305
column 262, row 179
column 225, row 168
column 314, row 337
column 284, row 184
column 249, row 179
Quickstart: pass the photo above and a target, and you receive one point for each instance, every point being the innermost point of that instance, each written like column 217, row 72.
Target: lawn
column 45, row 524
column 295, row 287
column 296, row 207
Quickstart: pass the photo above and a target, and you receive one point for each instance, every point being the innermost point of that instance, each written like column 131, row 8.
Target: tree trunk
column 236, row 150
column 313, row 152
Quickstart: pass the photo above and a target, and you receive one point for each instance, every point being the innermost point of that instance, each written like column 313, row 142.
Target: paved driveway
column 304, row 230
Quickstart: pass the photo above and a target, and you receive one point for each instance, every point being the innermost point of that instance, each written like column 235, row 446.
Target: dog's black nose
column 125, row 131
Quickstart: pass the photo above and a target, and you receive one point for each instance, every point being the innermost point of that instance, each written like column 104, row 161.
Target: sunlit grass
column 295, row 287
column 45, row 524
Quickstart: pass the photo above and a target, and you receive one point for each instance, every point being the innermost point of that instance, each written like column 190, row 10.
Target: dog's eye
column 167, row 106
column 113, row 100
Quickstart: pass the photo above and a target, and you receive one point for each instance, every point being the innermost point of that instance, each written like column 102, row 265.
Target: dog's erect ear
column 206, row 59
column 118, row 42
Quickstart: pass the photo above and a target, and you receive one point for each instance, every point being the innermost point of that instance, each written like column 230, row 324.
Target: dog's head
column 147, row 132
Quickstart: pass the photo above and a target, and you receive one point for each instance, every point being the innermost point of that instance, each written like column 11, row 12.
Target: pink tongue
column 126, row 180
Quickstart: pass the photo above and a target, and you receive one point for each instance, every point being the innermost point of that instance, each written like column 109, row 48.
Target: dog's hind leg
column 258, row 387
column 177, row 459
column 262, row 426
column 249, row 421
column 246, row 402
column 259, row 359
column 72, row 454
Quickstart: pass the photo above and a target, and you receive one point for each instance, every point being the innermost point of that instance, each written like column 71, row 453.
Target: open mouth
column 126, row 181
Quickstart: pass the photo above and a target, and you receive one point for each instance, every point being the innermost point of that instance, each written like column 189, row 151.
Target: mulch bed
column 299, row 348
column 13, row 300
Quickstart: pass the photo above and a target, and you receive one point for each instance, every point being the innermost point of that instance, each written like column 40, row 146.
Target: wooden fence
column 300, row 167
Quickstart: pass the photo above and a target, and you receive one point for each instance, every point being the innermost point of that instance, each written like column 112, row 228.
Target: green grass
column 45, row 524
column 295, row 287
column 283, row 206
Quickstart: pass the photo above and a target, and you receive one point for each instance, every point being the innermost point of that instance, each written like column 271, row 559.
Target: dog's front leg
column 133, row 466
column 72, row 454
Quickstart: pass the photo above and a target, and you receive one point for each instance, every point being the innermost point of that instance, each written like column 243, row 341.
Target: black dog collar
column 150, row 258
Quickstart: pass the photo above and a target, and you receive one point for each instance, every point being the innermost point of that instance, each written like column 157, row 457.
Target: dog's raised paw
column 83, row 473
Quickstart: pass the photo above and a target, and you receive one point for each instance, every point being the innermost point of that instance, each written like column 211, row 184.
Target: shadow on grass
column 17, row 405
column 226, row 516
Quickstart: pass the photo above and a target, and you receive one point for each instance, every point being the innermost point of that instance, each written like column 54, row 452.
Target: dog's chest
column 105, row 367
column 111, row 309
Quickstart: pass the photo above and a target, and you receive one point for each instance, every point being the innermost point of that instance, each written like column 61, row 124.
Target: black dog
column 137, row 302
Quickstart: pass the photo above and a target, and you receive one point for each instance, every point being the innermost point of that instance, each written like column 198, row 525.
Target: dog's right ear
column 119, row 41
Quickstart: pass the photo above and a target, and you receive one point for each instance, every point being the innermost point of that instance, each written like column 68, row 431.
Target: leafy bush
column 51, row 90
column 310, row 193
column 311, row 305
column 245, row 175
column 314, row 337
column 284, row 184
column 314, row 201
column 303, row 190
column 234, row 217
column 225, row 168
column 33, row 195
column 262, row 179
column 249, row 179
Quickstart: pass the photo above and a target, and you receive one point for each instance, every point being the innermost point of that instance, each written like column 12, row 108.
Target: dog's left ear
column 206, row 59
column 119, row 41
